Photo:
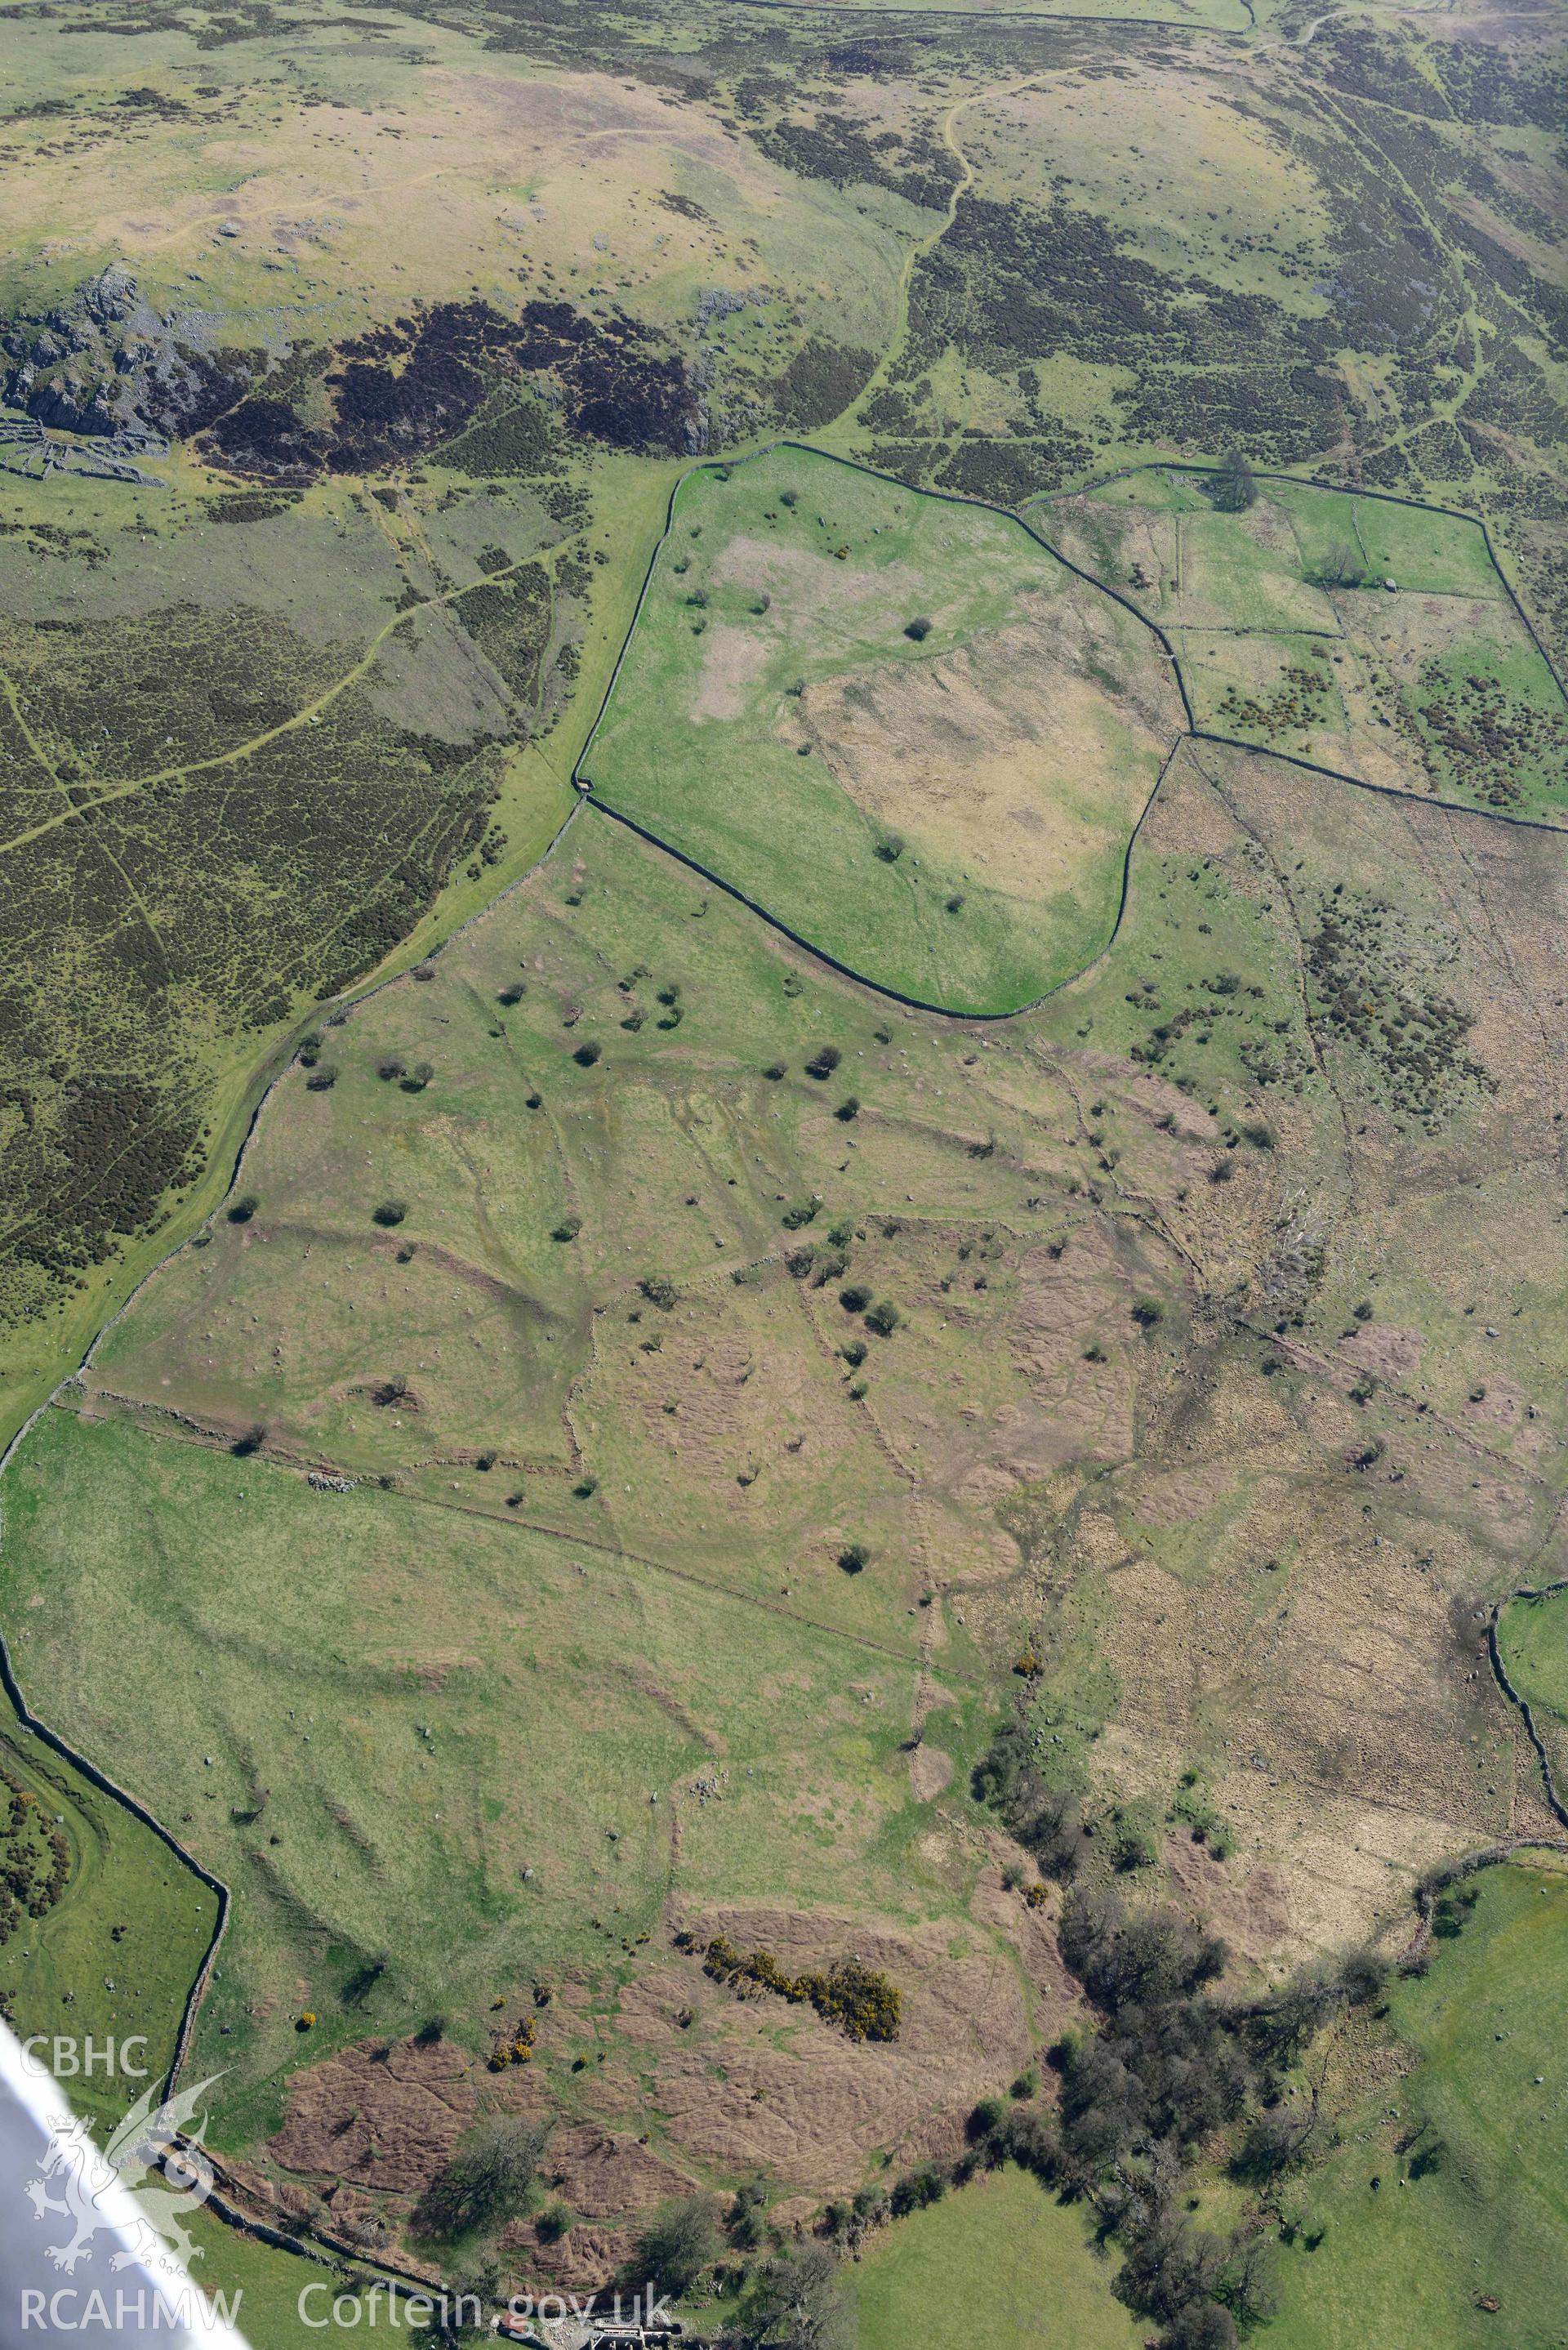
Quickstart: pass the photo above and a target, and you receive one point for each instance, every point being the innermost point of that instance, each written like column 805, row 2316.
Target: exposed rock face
column 106, row 360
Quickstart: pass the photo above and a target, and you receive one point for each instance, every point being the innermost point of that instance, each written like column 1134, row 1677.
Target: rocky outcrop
column 107, row 361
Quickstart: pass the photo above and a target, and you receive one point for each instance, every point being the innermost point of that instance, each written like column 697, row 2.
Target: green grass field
column 896, row 723
column 999, row 2262
column 116, row 1955
column 1467, row 2138
column 1289, row 636
column 261, row 2287
column 1532, row 1634
column 389, row 1712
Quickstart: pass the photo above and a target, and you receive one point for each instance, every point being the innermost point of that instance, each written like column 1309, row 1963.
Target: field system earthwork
column 787, row 1133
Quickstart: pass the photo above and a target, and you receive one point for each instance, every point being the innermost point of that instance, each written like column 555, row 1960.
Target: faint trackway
column 96, row 1777
column 351, row 999
column 182, row 1429
column 918, row 250
column 182, row 773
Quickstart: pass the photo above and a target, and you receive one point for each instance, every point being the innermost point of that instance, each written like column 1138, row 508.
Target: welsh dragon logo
column 152, row 2155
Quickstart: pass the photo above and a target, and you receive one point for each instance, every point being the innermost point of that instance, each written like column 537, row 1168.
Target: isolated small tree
column 854, row 1557
column 390, row 1069
column 674, row 2246
column 890, row 847
column 390, row 1212
column 823, row 1062
column 486, row 2180
column 849, row 1108
column 244, row 1208
column 1232, row 488
column 884, row 1317
column 918, row 629
column 659, row 1290
column 251, row 1442
column 1343, row 566
column 587, row 1052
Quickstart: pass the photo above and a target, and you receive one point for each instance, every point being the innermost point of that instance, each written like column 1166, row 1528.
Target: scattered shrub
column 864, row 2003
column 884, row 1317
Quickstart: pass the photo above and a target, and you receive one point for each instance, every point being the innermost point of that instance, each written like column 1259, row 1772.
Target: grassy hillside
column 1003, row 2261
column 1442, row 2213
column 898, row 724
column 1372, row 638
